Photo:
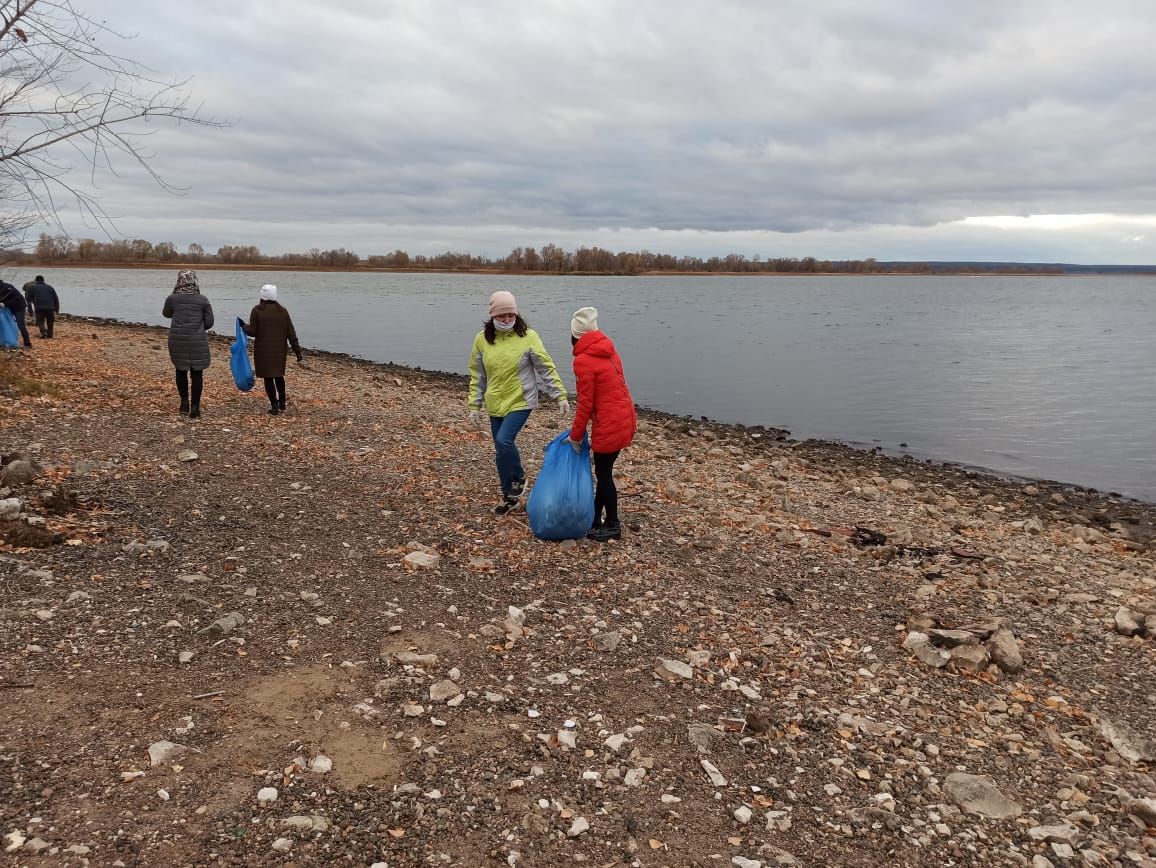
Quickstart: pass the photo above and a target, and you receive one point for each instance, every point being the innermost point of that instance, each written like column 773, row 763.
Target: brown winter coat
column 272, row 332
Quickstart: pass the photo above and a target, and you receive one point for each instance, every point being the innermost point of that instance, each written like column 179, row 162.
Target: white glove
column 575, row 445
column 564, row 407
column 476, row 418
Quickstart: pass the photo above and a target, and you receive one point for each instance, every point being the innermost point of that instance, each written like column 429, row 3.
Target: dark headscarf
column 187, row 282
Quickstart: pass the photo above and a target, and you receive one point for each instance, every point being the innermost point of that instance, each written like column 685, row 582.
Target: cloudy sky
column 902, row 129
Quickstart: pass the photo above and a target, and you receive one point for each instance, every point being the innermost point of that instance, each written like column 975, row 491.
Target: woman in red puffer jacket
column 604, row 400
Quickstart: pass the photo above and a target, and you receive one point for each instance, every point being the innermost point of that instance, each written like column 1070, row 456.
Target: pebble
column 267, row 795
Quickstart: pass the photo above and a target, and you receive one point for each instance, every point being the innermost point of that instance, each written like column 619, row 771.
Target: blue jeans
column 505, row 429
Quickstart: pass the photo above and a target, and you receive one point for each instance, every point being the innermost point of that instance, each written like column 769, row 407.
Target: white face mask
column 504, row 326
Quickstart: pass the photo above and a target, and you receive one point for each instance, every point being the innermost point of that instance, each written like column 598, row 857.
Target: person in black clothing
column 44, row 300
column 11, row 298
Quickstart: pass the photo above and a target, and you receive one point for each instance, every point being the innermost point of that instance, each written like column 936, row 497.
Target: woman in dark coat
column 272, row 331
column 192, row 316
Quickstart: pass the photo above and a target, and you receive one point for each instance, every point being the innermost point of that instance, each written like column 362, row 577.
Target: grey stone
column 1129, row 744
column 920, row 645
column 951, row 638
column 422, row 560
column 607, row 641
column 1129, row 623
column 224, row 625
column 969, row 658
column 1005, row 651
column 1063, row 833
column 978, row 794
column 672, row 670
column 19, row 472
column 440, row 691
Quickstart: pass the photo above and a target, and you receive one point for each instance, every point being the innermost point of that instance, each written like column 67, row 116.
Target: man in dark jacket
column 11, row 298
column 42, row 298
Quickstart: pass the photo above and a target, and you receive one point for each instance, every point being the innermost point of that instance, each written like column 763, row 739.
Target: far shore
column 220, row 266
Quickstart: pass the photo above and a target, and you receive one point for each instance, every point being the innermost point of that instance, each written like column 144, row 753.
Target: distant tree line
column 549, row 259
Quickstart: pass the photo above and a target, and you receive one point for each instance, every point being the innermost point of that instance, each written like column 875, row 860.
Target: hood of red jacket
column 595, row 343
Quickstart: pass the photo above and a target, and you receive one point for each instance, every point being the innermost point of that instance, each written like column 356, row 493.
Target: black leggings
column 605, row 492
column 183, row 385
column 275, row 389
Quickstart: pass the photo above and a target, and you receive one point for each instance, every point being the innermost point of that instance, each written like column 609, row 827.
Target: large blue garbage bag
column 561, row 504
column 239, row 359
column 9, row 331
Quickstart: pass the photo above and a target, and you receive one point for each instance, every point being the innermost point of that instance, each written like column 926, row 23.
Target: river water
column 1044, row 377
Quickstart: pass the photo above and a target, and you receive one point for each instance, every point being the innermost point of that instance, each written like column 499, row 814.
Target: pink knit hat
column 502, row 302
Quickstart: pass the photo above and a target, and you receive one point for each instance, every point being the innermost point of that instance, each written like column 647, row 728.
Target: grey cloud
column 726, row 116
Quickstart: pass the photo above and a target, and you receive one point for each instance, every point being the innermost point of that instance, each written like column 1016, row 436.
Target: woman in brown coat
column 273, row 333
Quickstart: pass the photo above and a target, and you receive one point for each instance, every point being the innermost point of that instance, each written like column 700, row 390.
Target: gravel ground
column 306, row 639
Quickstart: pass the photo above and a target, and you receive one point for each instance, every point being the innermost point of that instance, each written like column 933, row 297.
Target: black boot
column 195, row 411
column 606, row 533
column 281, row 405
column 184, row 408
column 274, row 409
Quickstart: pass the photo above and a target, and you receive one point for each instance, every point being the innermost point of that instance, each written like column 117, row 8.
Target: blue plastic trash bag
column 239, row 361
column 9, row 331
column 561, row 504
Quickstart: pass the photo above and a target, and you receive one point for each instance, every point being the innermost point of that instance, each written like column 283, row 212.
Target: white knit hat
column 268, row 292
column 585, row 320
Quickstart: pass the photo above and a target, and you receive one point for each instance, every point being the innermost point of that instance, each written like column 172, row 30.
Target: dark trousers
column 23, row 326
column 45, row 320
column 605, row 492
column 198, row 378
column 275, row 389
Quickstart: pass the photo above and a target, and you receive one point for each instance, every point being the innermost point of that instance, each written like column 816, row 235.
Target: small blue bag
column 9, row 331
column 561, row 504
column 239, row 359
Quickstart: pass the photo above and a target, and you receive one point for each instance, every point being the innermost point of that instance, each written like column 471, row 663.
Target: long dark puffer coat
column 272, row 331
column 191, row 314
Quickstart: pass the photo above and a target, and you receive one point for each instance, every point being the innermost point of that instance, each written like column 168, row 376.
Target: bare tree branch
column 61, row 92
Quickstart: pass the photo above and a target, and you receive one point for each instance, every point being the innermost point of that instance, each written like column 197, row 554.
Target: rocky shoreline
column 303, row 639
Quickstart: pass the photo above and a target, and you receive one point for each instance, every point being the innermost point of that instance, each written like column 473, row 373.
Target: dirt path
column 460, row 731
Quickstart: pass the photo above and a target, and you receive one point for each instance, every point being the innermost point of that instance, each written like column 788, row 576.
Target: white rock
column 568, row 738
column 579, row 826
column 421, row 560
column 13, row 841
column 163, row 795
column 185, row 657
column 1064, row 833
column 78, row 850
column 282, row 844
column 187, row 455
column 557, row 678
column 267, row 794
column 163, row 751
column 411, row 710
column 633, row 778
column 744, row 862
column 743, row 814
column 673, row 670
column 715, row 775
column 321, row 765
column 440, row 691
column 616, row 742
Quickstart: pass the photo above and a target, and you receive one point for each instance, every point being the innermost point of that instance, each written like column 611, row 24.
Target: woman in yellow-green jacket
column 508, row 366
